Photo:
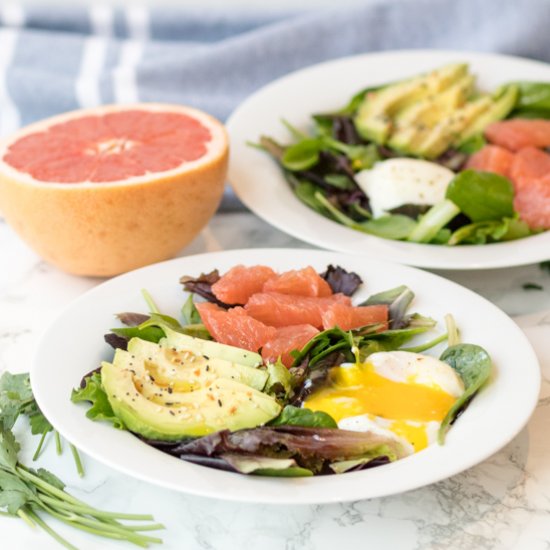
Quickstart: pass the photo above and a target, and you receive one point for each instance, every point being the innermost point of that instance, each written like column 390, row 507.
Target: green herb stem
column 83, row 508
column 25, row 517
column 77, row 460
column 36, row 518
column 40, row 445
column 149, row 301
column 58, row 447
column 427, row 345
column 104, row 529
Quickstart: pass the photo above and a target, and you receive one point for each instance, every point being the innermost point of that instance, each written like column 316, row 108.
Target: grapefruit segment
column 280, row 310
column 529, row 162
column 240, row 282
column 492, row 158
column 234, row 327
column 105, row 190
column 300, row 282
column 348, row 317
column 532, row 201
column 517, row 133
column 286, row 340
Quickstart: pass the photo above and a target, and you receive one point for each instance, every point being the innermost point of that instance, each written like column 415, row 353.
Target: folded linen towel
column 55, row 59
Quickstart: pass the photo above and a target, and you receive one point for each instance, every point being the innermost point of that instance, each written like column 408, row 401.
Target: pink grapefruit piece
column 234, row 327
column 240, row 282
column 299, row 282
column 286, row 340
column 517, row 133
column 532, row 201
column 105, row 190
column 492, row 158
column 281, row 310
column 529, row 162
column 347, row 317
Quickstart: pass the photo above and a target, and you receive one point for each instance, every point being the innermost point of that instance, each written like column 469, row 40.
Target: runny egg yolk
column 353, row 390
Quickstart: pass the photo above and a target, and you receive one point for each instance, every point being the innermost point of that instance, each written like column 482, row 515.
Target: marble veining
column 503, row 503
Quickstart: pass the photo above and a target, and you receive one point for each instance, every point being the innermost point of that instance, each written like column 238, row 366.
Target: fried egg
column 400, row 394
column 395, row 182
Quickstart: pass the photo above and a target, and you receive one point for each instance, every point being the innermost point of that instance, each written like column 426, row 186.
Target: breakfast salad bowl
column 433, row 159
column 285, row 376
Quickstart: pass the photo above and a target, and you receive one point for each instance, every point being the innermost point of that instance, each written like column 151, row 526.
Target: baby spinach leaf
column 474, row 366
column 151, row 334
column 395, row 226
column 533, row 100
column 473, row 144
column 94, row 393
column 296, row 416
column 302, row 155
column 482, row 196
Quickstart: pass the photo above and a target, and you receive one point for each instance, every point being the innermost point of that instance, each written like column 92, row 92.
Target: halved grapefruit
column 106, row 190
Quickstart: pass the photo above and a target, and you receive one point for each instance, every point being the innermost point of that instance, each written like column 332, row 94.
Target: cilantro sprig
column 30, row 494
column 16, row 398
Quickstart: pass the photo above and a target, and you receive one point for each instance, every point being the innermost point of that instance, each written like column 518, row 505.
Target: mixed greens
column 269, row 430
column 32, row 494
column 436, row 119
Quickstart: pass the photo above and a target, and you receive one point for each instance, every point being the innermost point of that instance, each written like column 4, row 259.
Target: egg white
column 395, row 182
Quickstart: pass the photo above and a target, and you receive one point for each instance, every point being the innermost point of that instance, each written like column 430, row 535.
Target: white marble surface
column 503, row 503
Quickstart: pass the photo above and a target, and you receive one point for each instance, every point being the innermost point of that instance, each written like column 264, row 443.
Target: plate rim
column 502, row 259
column 290, row 498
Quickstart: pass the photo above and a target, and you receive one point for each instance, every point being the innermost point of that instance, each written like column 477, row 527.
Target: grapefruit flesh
column 492, row 158
column 103, row 191
column 286, row 340
column 348, row 317
column 517, row 133
column 300, row 282
column 234, row 327
column 532, row 201
column 109, row 147
column 530, row 162
column 280, row 310
column 240, row 282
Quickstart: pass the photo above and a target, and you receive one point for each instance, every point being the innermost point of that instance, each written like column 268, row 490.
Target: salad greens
column 322, row 166
column 533, row 101
column 30, row 494
column 474, row 366
column 294, row 440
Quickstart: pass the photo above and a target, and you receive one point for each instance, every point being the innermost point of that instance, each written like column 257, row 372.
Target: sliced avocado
column 209, row 349
column 504, row 101
column 224, row 404
column 374, row 115
column 184, row 370
column 446, row 132
column 414, row 123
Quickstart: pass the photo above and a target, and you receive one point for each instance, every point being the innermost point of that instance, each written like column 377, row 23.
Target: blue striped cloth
column 55, row 59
